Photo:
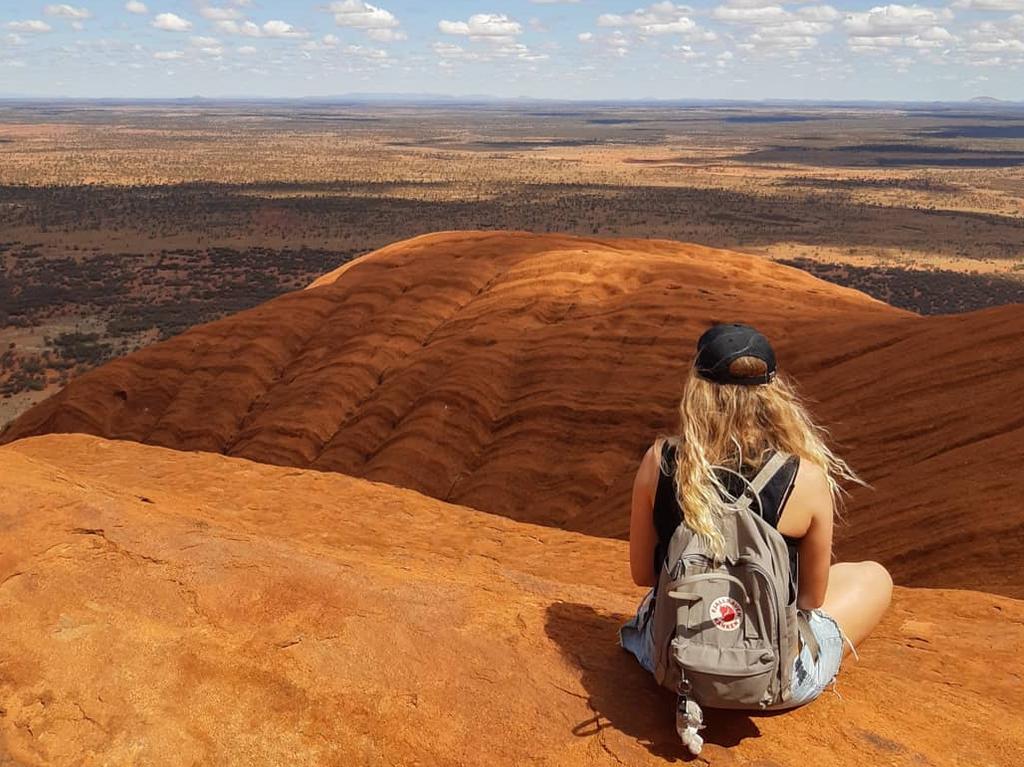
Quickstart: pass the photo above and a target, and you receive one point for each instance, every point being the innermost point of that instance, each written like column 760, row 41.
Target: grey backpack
column 725, row 631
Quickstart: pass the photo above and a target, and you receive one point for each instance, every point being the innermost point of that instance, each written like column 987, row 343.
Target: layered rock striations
column 524, row 375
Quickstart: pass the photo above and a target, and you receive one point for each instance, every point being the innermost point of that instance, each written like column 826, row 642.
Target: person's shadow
column 623, row 695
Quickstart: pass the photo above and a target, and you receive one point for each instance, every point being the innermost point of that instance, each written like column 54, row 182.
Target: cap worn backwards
column 722, row 345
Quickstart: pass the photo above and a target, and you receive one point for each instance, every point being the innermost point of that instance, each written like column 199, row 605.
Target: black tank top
column 668, row 515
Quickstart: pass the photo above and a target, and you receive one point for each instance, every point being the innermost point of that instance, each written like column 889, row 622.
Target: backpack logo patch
column 726, row 613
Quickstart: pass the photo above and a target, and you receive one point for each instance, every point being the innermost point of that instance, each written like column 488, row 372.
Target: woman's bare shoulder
column 811, row 495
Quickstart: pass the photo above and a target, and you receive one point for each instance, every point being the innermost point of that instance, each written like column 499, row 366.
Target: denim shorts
column 810, row 675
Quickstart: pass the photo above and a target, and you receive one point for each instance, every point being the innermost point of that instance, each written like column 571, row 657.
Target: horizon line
column 469, row 99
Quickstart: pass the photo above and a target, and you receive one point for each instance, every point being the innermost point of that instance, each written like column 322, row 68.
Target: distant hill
column 524, row 375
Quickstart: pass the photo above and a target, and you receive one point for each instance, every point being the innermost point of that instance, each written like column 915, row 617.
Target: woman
column 736, row 413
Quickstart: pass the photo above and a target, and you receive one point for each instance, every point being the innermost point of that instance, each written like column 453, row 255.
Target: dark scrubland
column 939, row 291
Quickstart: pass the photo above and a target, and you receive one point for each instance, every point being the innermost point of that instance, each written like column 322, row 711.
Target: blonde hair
column 738, row 427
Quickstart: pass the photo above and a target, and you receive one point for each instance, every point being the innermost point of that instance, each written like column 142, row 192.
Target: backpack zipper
column 677, row 570
column 778, row 623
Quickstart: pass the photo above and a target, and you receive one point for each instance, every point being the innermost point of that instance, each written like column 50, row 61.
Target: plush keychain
column 689, row 720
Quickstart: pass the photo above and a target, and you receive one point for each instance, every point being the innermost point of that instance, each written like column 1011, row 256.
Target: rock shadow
column 624, row 696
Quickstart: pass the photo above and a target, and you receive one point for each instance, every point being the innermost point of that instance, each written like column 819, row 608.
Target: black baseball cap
column 720, row 346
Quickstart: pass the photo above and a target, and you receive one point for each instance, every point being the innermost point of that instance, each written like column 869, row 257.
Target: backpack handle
column 692, row 597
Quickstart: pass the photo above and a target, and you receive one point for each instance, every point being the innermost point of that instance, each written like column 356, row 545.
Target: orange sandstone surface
column 524, row 375
column 171, row 608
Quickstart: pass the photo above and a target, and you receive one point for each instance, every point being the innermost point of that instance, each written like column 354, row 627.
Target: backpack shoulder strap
column 757, row 485
column 771, row 467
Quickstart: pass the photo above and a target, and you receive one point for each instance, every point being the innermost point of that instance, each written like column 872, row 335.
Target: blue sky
column 587, row 49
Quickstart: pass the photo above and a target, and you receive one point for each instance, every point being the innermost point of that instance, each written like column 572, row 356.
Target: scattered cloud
column 378, row 23
column 76, row 16
column 989, row 5
column 889, row 20
column 657, row 19
column 171, row 22
column 495, row 35
column 366, row 52
column 273, row 28
column 805, row 38
column 65, row 11
column 614, row 45
column 775, row 30
column 240, row 28
column 278, row 28
column 892, row 27
column 34, row 26
column 213, row 13
column 768, row 14
column 483, row 26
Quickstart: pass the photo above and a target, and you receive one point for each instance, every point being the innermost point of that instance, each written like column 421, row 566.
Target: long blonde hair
column 738, row 427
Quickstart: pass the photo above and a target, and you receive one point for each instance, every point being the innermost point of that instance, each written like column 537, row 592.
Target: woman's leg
column 857, row 597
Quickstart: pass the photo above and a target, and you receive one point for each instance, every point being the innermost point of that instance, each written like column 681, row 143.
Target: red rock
column 169, row 608
column 524, row 375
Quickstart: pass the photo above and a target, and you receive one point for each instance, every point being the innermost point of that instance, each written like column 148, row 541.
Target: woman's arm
column 814, row 512
column 642, row 537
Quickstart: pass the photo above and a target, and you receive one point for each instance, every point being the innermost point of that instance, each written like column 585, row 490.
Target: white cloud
column 169, row 55
column 170, row 22
column 365, row 52
column 891, row 27
column 213, row 13
column 497, row 30
column 360, row 15
column 243, row 29
column 134, row 6
column 483, row 26
column 65, row 11
column 450, row 51
column 990, row 5
column 29, row 25
column 378, row 23
column 768, row 14
column 278, row 28
column 664, row 18
column 585, row 37
column 890, row 20
column 273, row 28
column 247, row 50
column 989, row 38
column 386, row 35
column 777, row 31
column 818, row 13
column 617, row 44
